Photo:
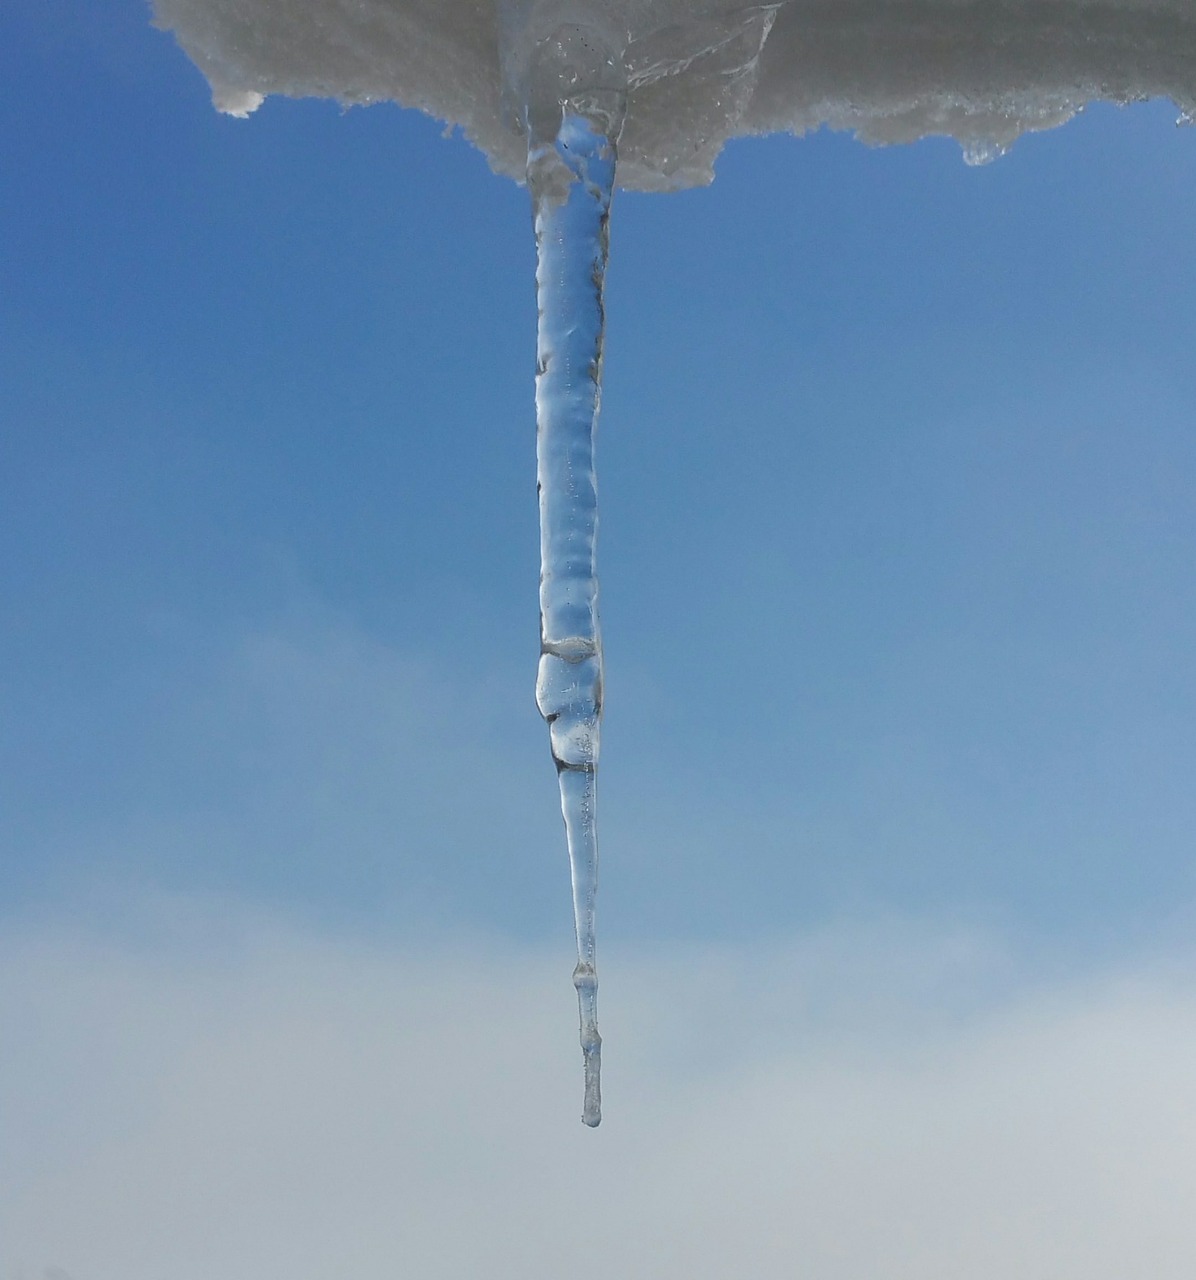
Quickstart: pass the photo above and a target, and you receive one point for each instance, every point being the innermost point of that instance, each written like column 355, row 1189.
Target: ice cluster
column 701, row 71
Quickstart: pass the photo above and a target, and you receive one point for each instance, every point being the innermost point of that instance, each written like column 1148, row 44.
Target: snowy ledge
column 702, row 71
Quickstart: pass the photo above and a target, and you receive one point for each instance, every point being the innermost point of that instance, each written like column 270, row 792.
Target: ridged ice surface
column 701, row 71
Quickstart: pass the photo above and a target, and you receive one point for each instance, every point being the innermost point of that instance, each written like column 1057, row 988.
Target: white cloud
column 247, row 1101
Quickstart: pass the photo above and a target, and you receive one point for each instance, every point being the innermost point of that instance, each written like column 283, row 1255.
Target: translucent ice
column 571, row 173
column 701, row 71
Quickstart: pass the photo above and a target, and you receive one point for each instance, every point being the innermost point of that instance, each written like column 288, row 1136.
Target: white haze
column 703, row 71
column 209, row 1094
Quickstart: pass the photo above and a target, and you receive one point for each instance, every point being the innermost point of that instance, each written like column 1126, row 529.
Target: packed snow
column 702, row 71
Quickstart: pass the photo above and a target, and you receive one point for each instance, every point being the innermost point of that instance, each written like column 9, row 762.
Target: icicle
column 571, row 172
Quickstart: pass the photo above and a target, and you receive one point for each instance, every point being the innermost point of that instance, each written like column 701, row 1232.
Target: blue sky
column 896, row 475
column 897, row 478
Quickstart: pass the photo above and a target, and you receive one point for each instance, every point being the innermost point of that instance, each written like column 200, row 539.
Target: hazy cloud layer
column 213, row 1095
column 308, row 765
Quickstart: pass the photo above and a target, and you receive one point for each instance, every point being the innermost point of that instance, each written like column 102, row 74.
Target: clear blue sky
column 897, row 470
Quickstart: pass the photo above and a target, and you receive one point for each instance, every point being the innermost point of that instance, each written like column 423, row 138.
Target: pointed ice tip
column 591, row 1110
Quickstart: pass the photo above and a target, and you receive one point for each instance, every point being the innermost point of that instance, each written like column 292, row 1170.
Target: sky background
column 897, row 473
